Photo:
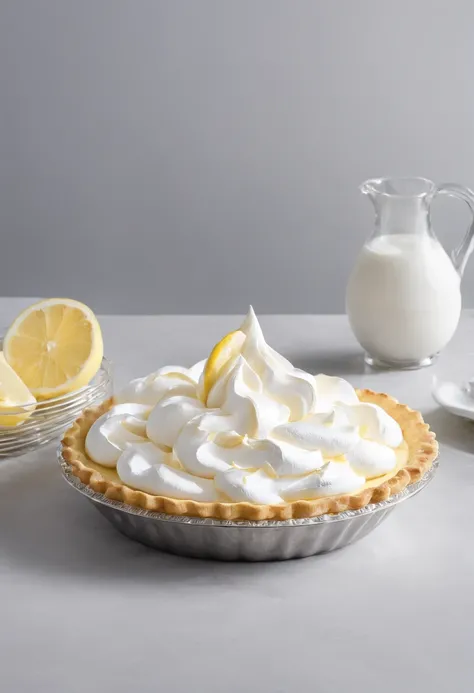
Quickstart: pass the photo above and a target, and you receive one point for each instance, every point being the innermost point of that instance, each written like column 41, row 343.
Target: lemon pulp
column 16, row 401
column 55, row 347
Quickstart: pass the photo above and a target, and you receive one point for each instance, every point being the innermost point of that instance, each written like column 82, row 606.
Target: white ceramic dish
column 457, row 399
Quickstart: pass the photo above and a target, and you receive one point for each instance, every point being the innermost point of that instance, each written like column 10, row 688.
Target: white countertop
column 85, row 609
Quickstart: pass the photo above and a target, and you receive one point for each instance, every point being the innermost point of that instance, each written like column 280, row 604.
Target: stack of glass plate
column 51, row 417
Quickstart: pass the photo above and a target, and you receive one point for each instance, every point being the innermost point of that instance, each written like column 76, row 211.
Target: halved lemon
column 228, row 348
column 55, row 346
column 16, row 401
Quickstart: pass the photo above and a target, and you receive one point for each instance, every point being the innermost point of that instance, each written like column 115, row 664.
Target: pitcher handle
column 460, row 255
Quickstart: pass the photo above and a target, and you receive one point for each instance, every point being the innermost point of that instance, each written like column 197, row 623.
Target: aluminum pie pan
column 226, row 540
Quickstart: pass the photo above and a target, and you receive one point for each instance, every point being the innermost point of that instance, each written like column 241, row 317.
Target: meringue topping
column 267, row 433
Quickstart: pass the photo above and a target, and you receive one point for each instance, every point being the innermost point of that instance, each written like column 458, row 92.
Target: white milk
column 403, row 297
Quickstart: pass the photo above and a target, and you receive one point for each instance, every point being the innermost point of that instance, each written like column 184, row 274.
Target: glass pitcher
column 403, row 297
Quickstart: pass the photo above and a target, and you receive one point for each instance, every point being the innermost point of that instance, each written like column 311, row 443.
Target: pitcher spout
column 401, row 204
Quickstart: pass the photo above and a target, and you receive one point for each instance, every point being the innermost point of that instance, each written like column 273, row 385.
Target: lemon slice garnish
column 55, row 347
column 226, row 350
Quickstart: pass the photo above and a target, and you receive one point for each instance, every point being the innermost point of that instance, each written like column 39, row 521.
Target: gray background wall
column 195, row 156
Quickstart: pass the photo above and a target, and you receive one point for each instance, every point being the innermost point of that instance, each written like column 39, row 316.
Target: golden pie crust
column 422, row 450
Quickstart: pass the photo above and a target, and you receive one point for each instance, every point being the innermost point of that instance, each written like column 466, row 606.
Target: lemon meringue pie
column 246, row 435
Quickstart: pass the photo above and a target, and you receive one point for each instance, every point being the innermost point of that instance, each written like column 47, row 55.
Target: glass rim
column 374, row 186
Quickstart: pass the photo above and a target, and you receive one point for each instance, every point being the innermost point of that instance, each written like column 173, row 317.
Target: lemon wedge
column 16, row 401
column 55, row 346
column 227, row 349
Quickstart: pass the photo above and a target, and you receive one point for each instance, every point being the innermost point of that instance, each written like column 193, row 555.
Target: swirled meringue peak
column 244, row 425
